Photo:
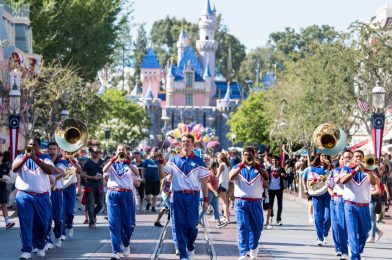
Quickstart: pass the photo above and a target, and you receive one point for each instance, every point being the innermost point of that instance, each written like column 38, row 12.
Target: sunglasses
column 97, row 152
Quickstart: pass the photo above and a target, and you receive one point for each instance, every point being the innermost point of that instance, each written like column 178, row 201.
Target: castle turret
column 182, row 43
column 208, row 84
column 206, row 45
column 170, row 77
column 151, row 73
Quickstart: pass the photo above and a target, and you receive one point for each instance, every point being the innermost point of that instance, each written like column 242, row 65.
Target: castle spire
column 207, row 10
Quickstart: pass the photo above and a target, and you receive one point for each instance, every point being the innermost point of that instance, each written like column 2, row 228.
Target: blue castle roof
column 207, row 72
column 150, row 60
column 207, row 10
column 189, row 56
column 235, row 90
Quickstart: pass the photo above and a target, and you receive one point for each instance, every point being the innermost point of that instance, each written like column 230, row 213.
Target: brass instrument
column 122, row 157
column 329, row 139
column 369, row 162
column 71, row 135
column 28, row 151
column 70, row 175
column 319, row 187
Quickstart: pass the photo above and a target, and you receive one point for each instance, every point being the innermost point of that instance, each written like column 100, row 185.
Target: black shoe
column 148, row 206
column 157, row 224
column 153, row 209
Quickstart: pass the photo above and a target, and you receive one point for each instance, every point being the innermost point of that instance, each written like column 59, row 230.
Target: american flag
column 25, row 107
column 363, row 105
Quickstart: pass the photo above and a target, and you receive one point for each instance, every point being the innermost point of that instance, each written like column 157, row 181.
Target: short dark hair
column 53, row 143
column 190, row 136
column 249, row 149
column 277, row 158
column 38, row 140
column 359, row 151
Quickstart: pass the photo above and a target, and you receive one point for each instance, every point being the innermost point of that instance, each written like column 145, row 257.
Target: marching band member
column 249, row 179
column 189, row 175
column 56, row 196
column 356, row 194
column 69, row 194
column 32, row 200
column 319, row 168
column 339, row 230
column 120, row 199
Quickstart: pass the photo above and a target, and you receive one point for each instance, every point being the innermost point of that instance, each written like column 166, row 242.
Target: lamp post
column 378, row 118
column 108, row 133
column 14, row 118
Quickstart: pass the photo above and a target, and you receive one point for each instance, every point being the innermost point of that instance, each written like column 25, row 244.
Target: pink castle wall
column 198, row 100
column 178, row 99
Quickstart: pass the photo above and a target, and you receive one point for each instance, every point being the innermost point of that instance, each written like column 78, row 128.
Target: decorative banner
column 282, row 156
column 377, row 133
column 13, row 124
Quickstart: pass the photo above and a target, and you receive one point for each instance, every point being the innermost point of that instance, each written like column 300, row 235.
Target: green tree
column 130, row 116
column 250, row 123
column 79, row 32
column 47, row 99
column 140, row 50
column 164, row 35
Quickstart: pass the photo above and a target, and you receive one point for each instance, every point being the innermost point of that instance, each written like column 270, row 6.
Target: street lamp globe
column 378, row 94
column 64, row 114
column 14, row 100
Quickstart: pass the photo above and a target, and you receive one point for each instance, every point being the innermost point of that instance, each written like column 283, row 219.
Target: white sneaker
column 253, row 253
column 115, row 256
column 25, row 255
column 126, row 251
column 311, row 220
column 57, row 242
column 191, row 255
column 63, row 237
column 268, row 226
column 344, row 257
column 370, row 240
column 48, row 246
column 41, row 252
column 244, row 257
column 325, row 241
column 177, row 252
column 319, row 242
column 70, row 233
column 35, row 250
column 338, row 253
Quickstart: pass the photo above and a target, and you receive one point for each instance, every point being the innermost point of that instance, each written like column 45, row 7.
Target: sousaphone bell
column 329, row 139
column 71, row 134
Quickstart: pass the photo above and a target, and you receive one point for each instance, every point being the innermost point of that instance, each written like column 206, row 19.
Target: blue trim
column 150, row 60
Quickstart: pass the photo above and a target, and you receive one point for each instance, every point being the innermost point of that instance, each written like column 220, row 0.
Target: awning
column 357, row 145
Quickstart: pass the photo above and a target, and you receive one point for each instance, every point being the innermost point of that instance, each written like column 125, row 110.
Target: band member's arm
column 134, row 170
column 330, row 191
column 107, row 166
column 204, row 189
column 336, row 178
column 303, row 180
column 18, row 163
column 236, row 171
column 46, row 168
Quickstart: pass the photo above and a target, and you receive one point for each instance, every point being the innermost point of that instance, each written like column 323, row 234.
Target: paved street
column 294, row 240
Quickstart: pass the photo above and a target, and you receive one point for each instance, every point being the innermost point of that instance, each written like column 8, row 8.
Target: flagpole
column 378, row 119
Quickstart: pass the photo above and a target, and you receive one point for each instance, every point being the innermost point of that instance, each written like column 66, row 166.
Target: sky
column 252, row 21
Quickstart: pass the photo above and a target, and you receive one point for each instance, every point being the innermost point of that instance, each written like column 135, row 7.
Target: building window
column 188, row 79
column 189, row 100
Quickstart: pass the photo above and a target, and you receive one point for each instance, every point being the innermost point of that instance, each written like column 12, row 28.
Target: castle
column 192, row 92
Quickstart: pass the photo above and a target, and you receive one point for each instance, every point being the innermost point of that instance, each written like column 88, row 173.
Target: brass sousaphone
column 71, row 135
column 329, row 139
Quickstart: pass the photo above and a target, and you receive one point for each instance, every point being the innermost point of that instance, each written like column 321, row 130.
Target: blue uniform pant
column 57, row 214
column 322, row 217
column 174, row 232
column 334, row 222
column 342, row 228
column 33, row 212
column 121, row 215
column 69, row 197
column 249, row 223
column 185, row 215
column 358, row 226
